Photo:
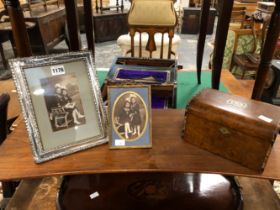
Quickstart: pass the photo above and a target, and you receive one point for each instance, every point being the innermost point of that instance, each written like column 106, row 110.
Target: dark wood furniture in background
column 198, row 3
column 45, row 29
column 109, row 21
column 6, row 35
column 191, row 20
column 257, row 194
column 225, row 8
column 89, row 25
column 243, row 60
column 3, row 38
column 19, row 30
column 267, row 52
column 150, row 191
column 39, row 3
column 244, row 63
column 250, row 6
column 203, row 27
column 109, row 26
column 100, row 8
column 73, row 27
column 221, row 34
column 238, row 16
column 271, row 92
column 49, row 29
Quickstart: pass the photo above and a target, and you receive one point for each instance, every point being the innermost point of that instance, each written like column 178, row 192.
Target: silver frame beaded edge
column 17, row 67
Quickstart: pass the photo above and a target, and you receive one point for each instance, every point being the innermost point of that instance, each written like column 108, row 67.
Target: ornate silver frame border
column 17, row 67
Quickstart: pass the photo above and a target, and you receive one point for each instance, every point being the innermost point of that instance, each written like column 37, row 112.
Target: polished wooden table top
column 169, row 153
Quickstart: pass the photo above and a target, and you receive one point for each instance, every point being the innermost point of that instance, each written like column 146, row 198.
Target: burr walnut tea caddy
column 236, row 128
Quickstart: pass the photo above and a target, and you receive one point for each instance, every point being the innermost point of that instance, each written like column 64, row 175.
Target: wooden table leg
column 89, row 25
column 96, row 6
column 101, row 7
column 73, row 25
column 20, row 34
column 201, row 37
column 220, row 40
column 267, row 52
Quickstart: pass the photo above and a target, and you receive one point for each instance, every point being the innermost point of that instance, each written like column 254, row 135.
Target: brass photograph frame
column 148, row 112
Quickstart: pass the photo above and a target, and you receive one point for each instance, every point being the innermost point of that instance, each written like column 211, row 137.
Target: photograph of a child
column 63, row 101
column 130, row 116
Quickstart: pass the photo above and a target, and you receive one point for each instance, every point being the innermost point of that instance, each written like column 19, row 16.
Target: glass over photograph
column 129, row 116
column 63, row 101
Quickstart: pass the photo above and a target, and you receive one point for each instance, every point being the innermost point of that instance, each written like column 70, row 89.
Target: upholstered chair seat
column 151, row 30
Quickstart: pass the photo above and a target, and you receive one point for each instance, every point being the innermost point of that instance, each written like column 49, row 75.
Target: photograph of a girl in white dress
column 63, row 101
column 129, row 117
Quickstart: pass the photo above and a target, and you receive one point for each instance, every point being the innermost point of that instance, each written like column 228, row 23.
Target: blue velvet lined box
column 160, row 74
column 142, row 75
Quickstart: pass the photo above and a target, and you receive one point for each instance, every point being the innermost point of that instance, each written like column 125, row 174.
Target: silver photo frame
column 61, row 103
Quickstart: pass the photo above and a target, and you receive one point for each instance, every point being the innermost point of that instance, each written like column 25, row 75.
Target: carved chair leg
column 132, row 33
column 232, row 64
column 243, row 73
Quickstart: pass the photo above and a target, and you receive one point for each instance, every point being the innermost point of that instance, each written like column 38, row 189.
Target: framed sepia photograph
column 130, row 116
column 61, row 103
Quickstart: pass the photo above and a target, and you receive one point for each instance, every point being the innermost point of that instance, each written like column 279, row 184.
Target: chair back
column 152, row 17
column 238, row 17
column 4, row 100
column 38, row 3
column 238, row 33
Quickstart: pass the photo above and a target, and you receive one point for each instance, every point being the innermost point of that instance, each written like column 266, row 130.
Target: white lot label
column 94, row 195
column 264, row 118
column 119, row 142
column 57, row 70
